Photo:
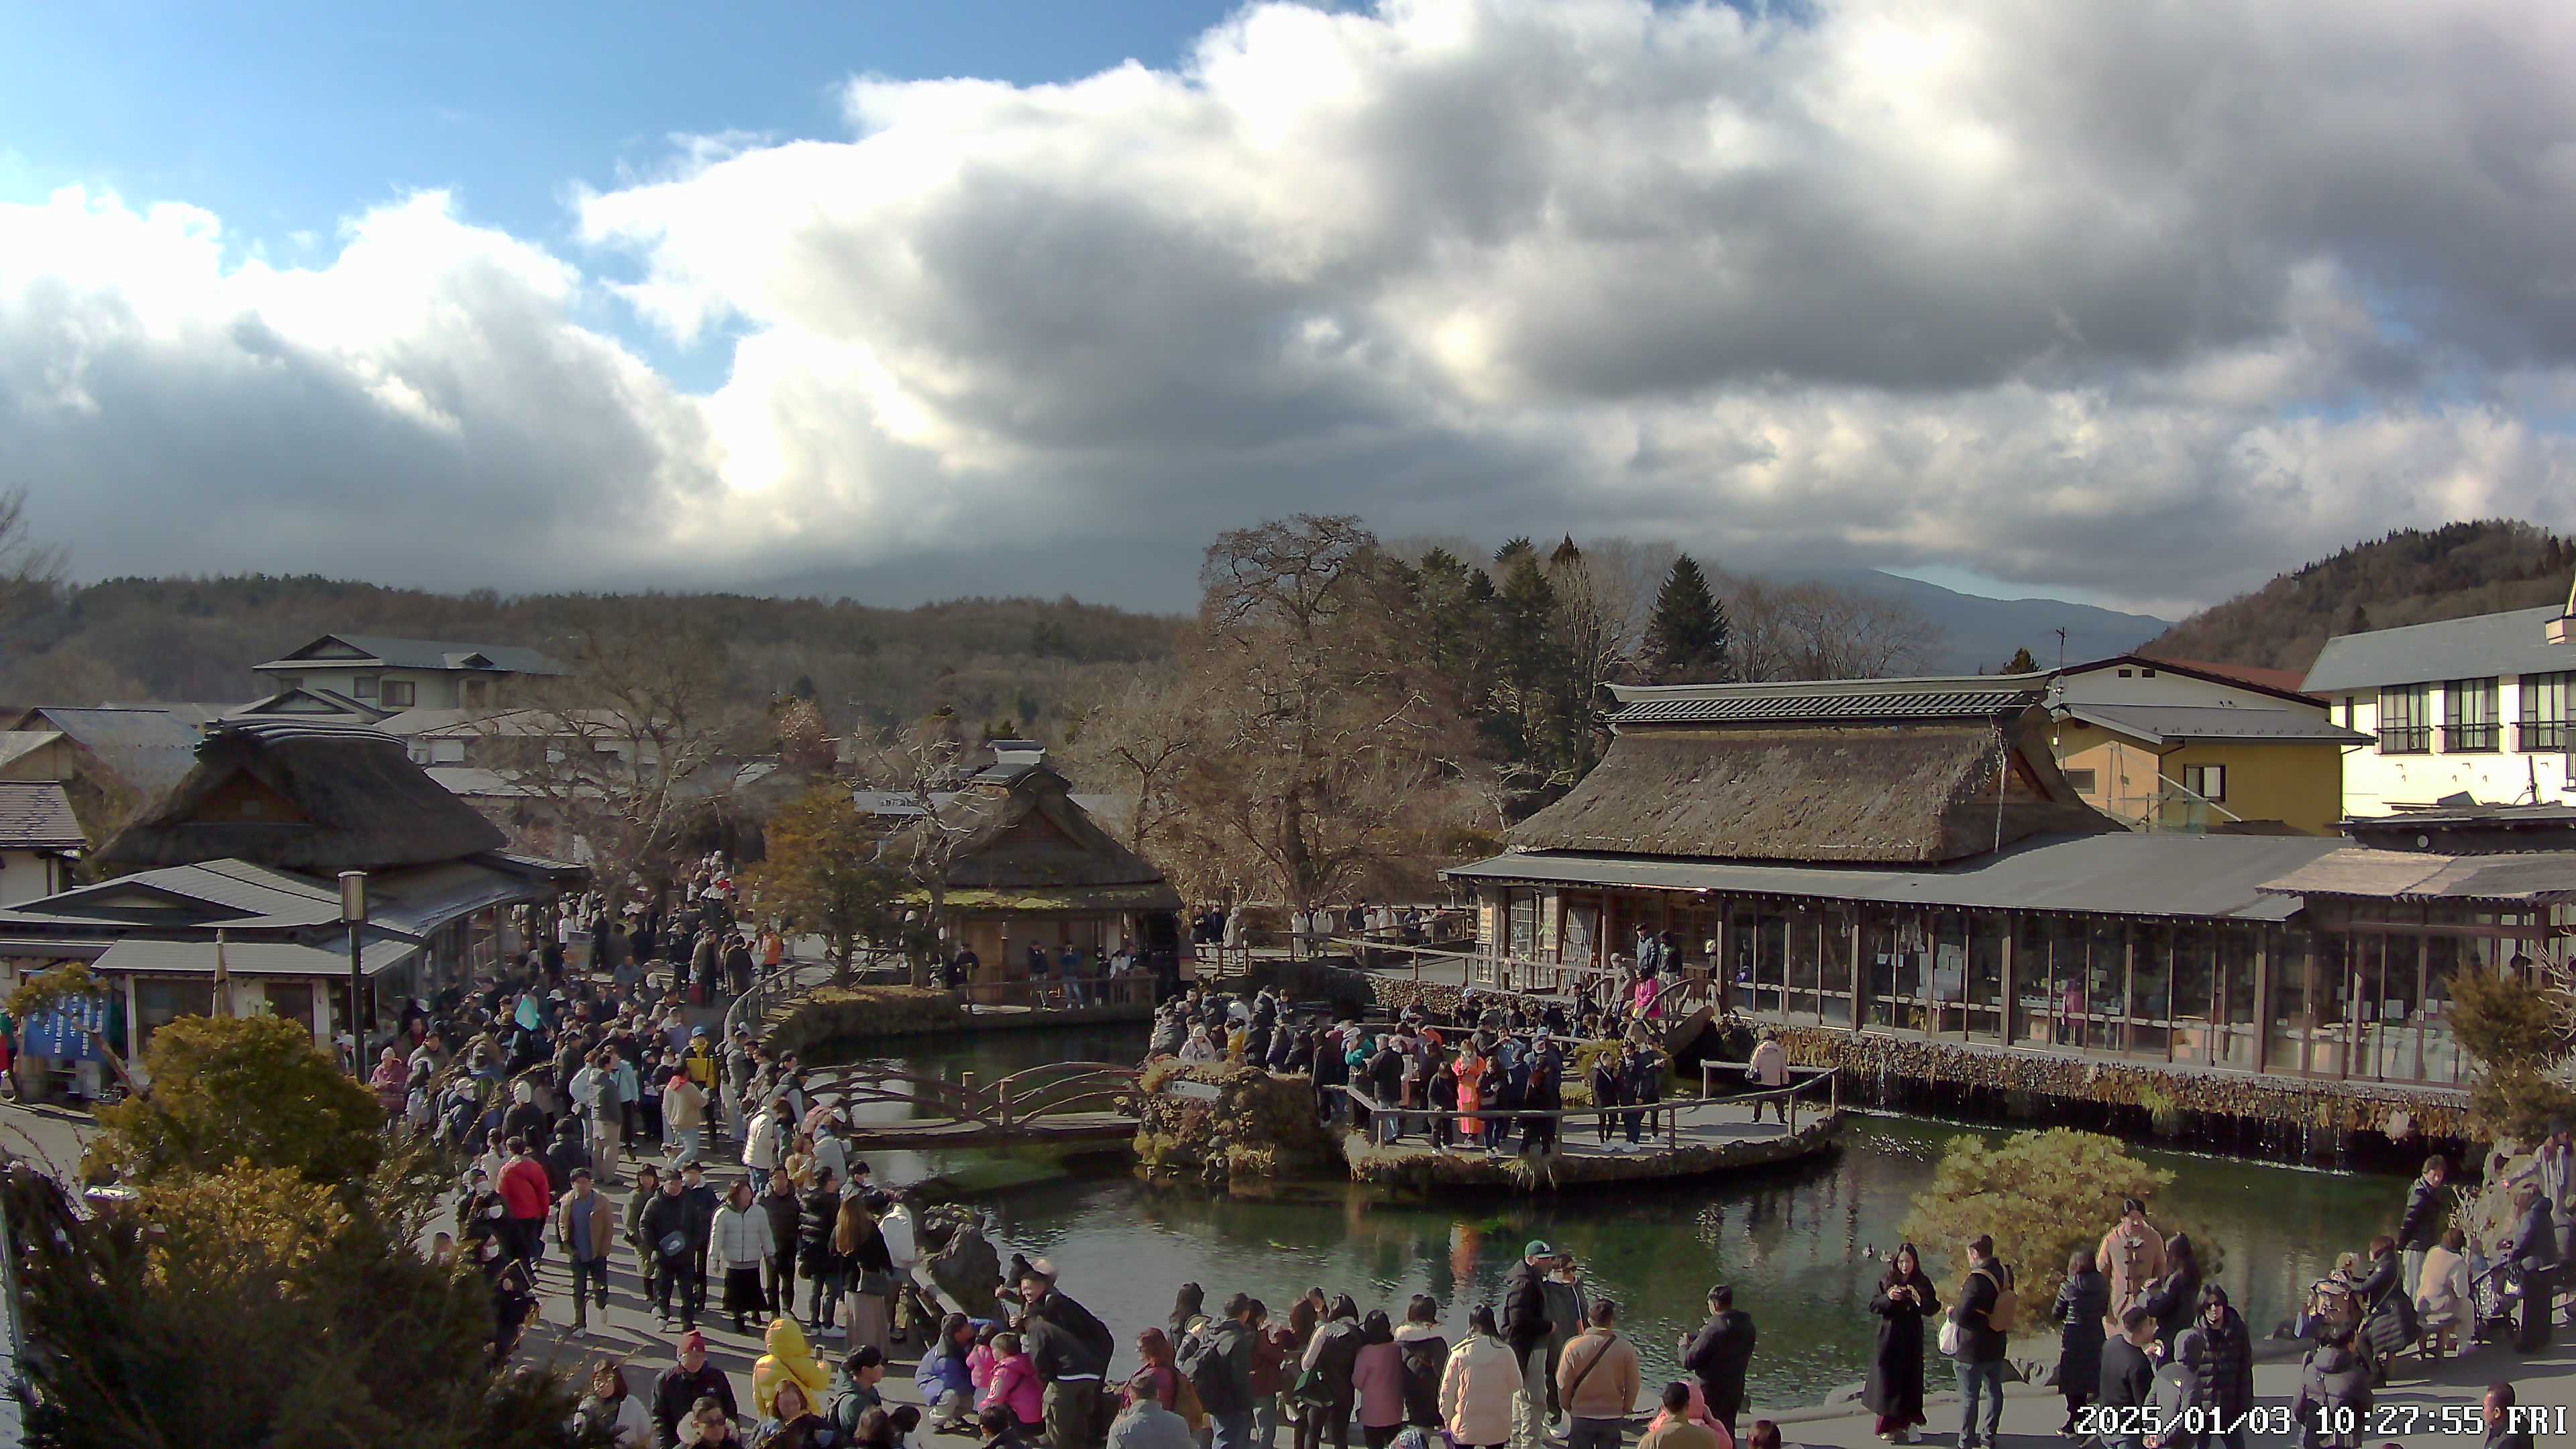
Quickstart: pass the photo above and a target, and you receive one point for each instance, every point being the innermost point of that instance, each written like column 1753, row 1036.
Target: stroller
column 2495, row 1292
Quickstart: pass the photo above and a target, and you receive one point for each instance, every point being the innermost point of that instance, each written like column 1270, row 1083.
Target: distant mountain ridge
column 1978, row 633
column 2410, row 576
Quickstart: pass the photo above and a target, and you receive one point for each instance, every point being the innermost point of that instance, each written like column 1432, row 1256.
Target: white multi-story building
column 2476, row 707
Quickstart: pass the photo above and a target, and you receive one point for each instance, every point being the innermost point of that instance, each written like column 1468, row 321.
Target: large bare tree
column 643, row 742
column 928, row 767
column 1319, row 732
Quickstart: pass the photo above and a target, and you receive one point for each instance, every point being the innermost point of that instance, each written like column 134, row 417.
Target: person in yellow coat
column 789, row 1360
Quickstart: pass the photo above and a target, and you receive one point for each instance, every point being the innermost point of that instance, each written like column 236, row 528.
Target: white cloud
column 2151, row 301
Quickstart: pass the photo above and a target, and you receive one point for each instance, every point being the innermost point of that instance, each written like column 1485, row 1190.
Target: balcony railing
column 2539, row 736
column 2467, row 739
column 2406, row 740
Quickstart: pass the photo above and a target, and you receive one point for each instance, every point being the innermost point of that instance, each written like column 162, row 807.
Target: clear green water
column 1792, row 1241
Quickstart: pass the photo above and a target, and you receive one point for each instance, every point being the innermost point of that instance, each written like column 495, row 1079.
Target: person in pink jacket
column 1377, row 1378
column 1015, row 1386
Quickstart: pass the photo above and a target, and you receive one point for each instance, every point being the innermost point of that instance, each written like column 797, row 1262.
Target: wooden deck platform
column 1708, row 1141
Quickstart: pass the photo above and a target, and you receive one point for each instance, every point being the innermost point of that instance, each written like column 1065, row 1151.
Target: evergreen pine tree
column 2021, row 663
column 1686, row 636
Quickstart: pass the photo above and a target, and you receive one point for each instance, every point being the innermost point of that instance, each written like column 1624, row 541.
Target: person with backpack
column 1215, row 1364
column 1597, row 1379
column 586, row 1227
column 1982, row 1318
column 2334, row 1392
column 1526, row 1327
column 1425, row 1353
column 1324, row 1389
column 854, row 1388
column 1158, row 1375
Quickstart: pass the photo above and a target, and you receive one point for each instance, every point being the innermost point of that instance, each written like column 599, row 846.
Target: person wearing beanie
column 689, row 1379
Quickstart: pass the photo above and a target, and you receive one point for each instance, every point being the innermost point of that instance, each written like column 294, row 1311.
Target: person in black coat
column 2176, row 1297
column 2387, row 1308
column 1609, row 1089
column 2421, row 1227
column 2129, row 1373
column 2083, row 1301
column 565, row 1156
column 1895, row 1388
column 2220, row 1353
column 1719, row 1354
column 2535, row 1252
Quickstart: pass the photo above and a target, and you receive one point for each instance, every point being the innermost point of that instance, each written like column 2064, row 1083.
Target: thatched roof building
column 302, row 796
column 1027, row 864
column 1865, row 771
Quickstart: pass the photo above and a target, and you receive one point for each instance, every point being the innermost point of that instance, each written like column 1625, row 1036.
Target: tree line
column 1348, row 712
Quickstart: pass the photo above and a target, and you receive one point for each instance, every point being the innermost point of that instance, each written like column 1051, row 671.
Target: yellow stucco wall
column 2298, row 784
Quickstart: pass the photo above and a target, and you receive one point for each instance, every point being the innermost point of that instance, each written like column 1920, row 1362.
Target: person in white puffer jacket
column 739, row 1243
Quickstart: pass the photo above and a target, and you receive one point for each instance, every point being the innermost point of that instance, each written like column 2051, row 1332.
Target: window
column 398, row 694
column 2146, row 674
column 363, row 687
column 2082, row 780
column 2544, row 712
column 447, row 752
column 2127, row 673
column 2405, row 720
column 2209, row 782
column 2349, row 704
column 2469, row 715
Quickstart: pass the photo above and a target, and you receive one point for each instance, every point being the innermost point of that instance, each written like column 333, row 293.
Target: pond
column 1792, row 1242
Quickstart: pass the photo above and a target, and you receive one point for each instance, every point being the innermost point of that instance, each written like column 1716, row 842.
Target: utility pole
column 353, row 914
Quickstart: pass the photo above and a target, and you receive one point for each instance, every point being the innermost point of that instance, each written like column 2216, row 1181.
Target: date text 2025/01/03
column 2389, row 1421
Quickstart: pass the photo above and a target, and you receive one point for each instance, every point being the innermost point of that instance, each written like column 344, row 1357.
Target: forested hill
column 2412, row 576
column 1020, row 660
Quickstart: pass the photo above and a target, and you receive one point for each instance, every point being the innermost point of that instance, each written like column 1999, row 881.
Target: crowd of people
column 1469, row 1080
column 562, row 1085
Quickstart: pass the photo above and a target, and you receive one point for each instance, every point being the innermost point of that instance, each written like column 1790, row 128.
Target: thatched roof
column 1023, row 832
column 303, row 796
column 1887, row 793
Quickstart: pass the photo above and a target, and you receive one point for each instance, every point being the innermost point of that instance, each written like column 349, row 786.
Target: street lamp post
column 353, row 914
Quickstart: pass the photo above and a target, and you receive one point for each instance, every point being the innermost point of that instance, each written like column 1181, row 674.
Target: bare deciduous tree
column 639, row 744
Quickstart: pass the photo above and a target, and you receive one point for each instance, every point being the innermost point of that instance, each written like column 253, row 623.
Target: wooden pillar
column 1721, row 980
column 2008, row 923
column 1852, row 964
column 2262, row 997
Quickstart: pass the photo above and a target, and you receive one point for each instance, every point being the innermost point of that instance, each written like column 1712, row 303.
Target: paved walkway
column 2410, row 1412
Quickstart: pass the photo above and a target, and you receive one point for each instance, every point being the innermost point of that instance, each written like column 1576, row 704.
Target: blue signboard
column 63, row 1031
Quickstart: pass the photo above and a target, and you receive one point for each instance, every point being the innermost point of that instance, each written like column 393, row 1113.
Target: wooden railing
column 1014, row 1101
column 1056, row 992
column 1664, row 1116
column 1830, row 1078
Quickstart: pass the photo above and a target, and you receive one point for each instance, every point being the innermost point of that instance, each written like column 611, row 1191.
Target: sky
column 2134, row 304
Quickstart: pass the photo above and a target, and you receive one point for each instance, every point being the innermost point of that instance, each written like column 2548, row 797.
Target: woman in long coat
column 2082, row 1303
column 1470, row 1071
column 1895, row 1389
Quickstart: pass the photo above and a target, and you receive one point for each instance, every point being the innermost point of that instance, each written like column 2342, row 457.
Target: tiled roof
column 1777, row 708
column 421, row 654
column 2157, row 723
column 37, row 815
column 2515, row 642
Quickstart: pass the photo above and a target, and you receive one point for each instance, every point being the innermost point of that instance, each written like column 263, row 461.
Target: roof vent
column 1018, row 752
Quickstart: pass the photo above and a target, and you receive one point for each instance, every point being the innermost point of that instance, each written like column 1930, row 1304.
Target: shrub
column 251, row 1090
column 2040, row 1196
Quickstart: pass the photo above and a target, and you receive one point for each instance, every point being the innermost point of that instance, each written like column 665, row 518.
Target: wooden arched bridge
column 1057, row 1102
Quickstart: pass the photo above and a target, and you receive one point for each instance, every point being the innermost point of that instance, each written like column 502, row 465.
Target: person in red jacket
column 527, row 1195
